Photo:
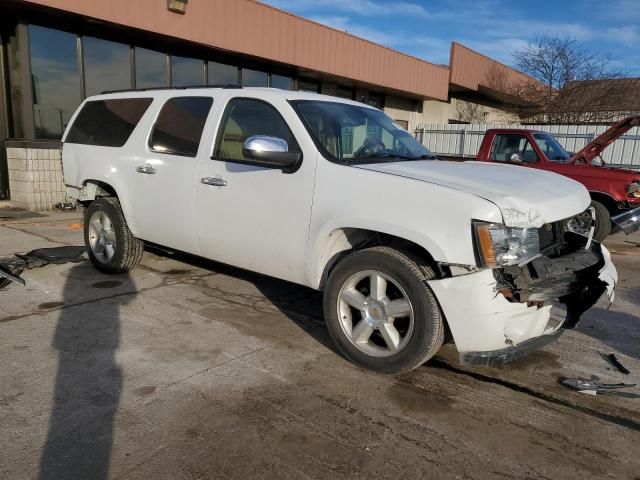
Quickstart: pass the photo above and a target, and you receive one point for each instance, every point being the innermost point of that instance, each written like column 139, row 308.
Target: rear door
column 165, row 175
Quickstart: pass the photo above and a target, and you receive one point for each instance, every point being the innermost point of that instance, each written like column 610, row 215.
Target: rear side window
column 107, row 123
column 179, row 126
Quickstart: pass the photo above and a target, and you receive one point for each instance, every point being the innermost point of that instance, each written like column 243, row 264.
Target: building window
column 186, row 72
column 308, row 86
column 107, row 65
column 345, row 92
column 282, row 82
column 56, row 80
column 107, row 123
column 179, row 126
column 376, row 100
column 254, row 78
column 221, row 74
column 403, row 123
column 151, row 68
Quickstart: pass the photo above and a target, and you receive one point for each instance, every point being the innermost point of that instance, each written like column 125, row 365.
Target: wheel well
column 605, row 200
column 92, row 189
column 359, row 239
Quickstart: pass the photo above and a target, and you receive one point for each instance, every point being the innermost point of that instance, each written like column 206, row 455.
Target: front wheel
column 380, row 312
column 110, row 245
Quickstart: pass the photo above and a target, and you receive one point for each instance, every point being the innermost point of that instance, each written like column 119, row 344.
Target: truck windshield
column 352, row 134
column 551, row 148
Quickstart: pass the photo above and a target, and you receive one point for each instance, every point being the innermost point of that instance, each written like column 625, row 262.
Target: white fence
column 465, row 140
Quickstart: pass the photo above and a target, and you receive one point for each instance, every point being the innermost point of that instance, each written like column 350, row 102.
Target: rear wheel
column 381, row 313
column 110, row 245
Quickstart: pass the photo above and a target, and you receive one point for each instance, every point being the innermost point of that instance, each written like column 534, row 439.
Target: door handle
column 215, row 181
column 146, row 168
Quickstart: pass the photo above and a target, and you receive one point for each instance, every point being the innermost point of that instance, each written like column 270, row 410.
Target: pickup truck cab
column 334, row 195
column 613, row 191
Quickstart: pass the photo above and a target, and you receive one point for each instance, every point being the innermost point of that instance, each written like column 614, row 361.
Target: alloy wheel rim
column 581, row 223
column 102, row 237
column 375, row 313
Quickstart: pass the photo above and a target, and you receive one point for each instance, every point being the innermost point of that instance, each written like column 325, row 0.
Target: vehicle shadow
column 88, row 383
column 300, row 304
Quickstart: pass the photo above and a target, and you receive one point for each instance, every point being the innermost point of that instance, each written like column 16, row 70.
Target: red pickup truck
column 614, row 191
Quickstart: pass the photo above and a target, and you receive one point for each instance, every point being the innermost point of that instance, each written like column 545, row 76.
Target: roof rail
column 225, row 85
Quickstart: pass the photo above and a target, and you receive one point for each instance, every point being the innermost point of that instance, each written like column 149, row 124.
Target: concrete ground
column 192, row 370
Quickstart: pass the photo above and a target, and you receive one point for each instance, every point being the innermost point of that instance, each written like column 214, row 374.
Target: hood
column 526, row 197
column 604, row 172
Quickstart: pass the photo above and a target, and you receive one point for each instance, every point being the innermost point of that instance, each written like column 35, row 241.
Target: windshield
column 352, row 134
column 551, row 148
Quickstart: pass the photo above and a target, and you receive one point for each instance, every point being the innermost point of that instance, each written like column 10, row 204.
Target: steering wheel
column 371, row 146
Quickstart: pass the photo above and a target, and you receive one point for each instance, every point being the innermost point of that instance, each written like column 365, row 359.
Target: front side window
column 348, row 133
column 107, row 123
column 179, row 126
column 506, row 145
column 244, row 118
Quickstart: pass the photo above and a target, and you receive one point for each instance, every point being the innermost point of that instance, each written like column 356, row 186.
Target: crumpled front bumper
column 489, row 328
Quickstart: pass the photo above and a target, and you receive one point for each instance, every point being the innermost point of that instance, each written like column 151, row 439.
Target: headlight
column 633, row 189
column 499, row 246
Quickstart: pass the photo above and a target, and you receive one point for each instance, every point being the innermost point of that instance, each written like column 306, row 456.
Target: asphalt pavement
column 188, row 369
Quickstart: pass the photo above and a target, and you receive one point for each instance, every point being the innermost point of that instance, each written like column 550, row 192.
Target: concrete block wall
column 35, row 176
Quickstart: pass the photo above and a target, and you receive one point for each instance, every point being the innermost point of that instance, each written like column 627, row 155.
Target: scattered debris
column 12, row 267
column 616, row 363
column 593, row 387
column 65, row 206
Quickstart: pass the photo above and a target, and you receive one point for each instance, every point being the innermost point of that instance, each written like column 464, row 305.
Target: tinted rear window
column 107, row 123
column 179, row 125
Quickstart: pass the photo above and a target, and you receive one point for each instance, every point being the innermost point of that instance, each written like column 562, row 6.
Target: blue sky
column 494, row 27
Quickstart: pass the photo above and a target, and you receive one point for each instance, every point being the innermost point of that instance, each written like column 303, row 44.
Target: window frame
column 155, row 123
column 223, row 122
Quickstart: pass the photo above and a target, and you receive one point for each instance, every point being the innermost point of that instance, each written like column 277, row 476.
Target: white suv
column 334, row 195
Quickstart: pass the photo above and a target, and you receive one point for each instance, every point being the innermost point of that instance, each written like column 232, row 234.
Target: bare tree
column 572, row 84
column 468, row 112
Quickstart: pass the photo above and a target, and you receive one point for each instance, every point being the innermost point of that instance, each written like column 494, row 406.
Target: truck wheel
column 110, row 245
column 380, row 312
column 603, row 221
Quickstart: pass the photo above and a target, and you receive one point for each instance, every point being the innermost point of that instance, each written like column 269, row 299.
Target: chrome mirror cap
column 266, row 144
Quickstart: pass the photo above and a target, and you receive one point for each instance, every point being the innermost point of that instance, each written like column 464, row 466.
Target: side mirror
column 271, row 152
column 515, row 158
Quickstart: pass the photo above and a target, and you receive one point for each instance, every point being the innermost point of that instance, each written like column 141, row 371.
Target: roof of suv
column 243, row 91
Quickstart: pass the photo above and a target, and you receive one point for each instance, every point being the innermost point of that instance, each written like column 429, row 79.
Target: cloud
column 362, row 31
column 628, row 35
column 360, row 7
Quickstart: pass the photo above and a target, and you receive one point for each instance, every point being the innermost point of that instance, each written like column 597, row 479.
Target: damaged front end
column 532, row 287
column 567, row 272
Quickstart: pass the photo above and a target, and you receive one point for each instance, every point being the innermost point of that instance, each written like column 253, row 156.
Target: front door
column 165, row 176
column 251, row 216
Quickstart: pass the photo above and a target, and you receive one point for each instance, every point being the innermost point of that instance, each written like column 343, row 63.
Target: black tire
column 428, row 330
column 128, row 249
column 603, row 221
